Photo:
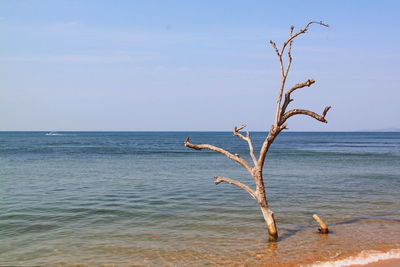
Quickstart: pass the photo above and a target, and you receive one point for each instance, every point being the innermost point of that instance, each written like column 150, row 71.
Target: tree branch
column 280, row 115
column 304, row 30
column 279, row 57
column 289, row 58
column 284, row 72
column 308, row 83
column 219, row 179
column 314, row 115
column 233, row 157
column 247, row 139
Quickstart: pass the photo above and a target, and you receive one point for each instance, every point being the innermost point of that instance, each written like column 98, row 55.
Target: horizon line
column 215, row 131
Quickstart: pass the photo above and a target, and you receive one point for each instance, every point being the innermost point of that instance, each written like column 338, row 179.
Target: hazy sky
column 194, row 65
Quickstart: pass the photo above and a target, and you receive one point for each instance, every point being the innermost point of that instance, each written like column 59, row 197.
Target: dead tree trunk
column 256, row 169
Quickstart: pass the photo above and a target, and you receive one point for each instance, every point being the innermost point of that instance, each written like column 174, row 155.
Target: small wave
column 364, row 257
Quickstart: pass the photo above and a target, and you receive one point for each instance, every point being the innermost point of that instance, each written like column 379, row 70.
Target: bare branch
column 314, row 115
column 279, row 57
column 219, row 179
column 247, row 139
column 289, row 51
column 327, row 108
column 233, row 157
column 284, row 73
column 276, row 129
column 251, row 149
column 308, row 83
column 289, row 59
column 237, row 133
column 302, row 31
column 241, row 127
column 275, row 47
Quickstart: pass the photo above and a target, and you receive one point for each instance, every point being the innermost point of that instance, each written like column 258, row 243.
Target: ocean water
column 143, row 199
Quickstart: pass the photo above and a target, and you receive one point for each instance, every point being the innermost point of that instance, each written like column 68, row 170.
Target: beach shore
column 366, row 258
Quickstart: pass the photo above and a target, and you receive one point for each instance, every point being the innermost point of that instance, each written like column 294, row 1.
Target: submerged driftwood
column 323, row 227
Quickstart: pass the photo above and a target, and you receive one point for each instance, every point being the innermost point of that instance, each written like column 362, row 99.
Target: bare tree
column 281, row 117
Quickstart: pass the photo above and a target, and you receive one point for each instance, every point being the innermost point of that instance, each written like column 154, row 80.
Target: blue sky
column 194, row 65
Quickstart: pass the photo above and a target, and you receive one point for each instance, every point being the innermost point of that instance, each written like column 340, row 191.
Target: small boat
column 52, row 133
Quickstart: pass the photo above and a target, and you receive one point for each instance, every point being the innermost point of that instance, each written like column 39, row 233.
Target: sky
column 195, row 65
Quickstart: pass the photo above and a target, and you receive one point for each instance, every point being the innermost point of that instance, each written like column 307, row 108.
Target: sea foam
column 364, row 257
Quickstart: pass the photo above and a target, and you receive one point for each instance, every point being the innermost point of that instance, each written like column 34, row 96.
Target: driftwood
column 256, row 168
column 323, row 227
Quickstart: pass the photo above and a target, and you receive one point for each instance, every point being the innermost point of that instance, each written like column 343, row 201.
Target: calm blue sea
column 143, row 199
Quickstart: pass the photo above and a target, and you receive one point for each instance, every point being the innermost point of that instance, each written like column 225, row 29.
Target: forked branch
column 247, row 139
column 219, row 179
column 284, row 72
column 288, row 98
column 314, row 115
column 304, row 30
column 281, row 115
column 233, row 157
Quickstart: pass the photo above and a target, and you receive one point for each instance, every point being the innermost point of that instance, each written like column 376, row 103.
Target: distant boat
column 52, row 133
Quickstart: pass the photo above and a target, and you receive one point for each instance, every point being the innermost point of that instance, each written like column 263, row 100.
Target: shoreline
column 367, row 258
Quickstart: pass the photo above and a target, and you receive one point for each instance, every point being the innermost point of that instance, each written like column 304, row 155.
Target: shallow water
column 143, row 199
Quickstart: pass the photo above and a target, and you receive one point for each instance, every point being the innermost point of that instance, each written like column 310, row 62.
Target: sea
column 143, row 199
